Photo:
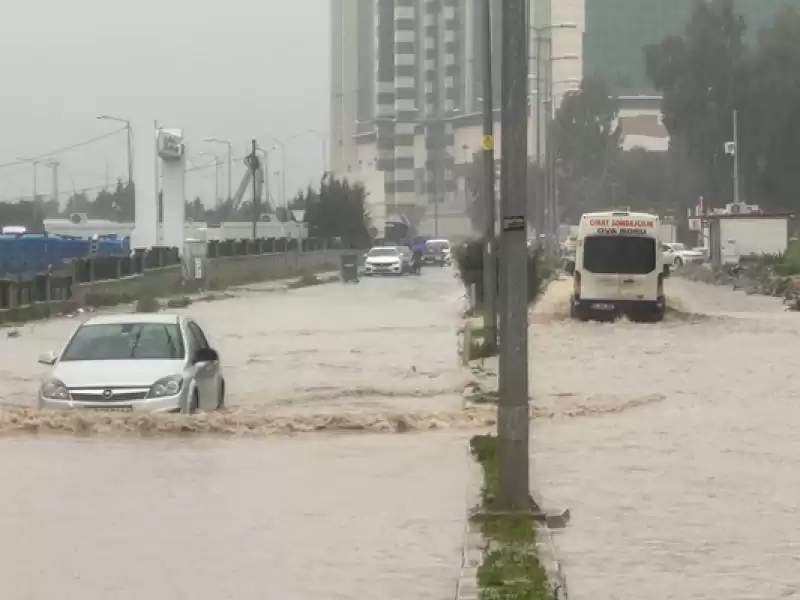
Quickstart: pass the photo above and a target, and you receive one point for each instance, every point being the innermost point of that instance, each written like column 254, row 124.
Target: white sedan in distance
column 676, row 255
column 135, row 362
column 385, row 260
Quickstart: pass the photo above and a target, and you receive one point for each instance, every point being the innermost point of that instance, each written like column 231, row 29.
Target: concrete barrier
column 167, row 281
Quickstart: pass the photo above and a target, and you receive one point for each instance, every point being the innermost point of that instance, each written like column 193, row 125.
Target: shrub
column 469, row 263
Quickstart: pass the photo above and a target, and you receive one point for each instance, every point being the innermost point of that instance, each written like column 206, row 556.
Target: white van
column 618, row 267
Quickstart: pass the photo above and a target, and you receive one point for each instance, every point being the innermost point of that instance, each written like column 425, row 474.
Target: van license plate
column 112, row 409
column 602, row 306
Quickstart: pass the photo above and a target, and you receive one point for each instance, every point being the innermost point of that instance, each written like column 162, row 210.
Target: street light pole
column 489, row 242
column 34, row 162
column 130, row 141
column 256, row 204
column 513, row 419
column 213, row 140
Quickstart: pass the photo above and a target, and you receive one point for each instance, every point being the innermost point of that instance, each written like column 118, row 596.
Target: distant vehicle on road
column 135, row 362
column 438, row 252
column 676, row 255
column 386, row 260
column 618, row 267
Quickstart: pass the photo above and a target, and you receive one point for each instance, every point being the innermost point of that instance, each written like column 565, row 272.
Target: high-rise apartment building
column 407, row 94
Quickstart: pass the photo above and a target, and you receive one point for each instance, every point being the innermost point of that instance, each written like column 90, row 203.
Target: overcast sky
column 231, row 69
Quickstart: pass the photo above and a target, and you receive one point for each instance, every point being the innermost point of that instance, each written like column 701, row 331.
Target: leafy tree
column 585, row 132
column 770, row 116
column 337, row 210
column 702, row 76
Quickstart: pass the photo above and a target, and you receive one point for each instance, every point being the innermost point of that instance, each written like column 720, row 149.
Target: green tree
column 585, row 132
column 702, row 76
column 337, row 210
column 770, row 116
column 585, row 137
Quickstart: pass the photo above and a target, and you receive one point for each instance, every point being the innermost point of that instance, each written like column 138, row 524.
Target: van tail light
column 576, row 283
column 660, row 288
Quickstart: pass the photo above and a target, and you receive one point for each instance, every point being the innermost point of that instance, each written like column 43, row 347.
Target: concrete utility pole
column 736, row 196
column 256, row 203
column 54, row 164
column 513, row 425
column 489, row 249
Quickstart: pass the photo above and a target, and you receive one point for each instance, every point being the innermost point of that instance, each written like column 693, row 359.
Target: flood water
column 674, row 445
column 344, row 517
column 302, row 518
column 692, row 495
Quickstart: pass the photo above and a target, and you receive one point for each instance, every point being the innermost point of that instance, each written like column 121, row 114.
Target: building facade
column 407, row 96
column 618, row 30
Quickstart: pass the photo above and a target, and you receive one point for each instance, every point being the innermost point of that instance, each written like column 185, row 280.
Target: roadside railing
column 56, row 282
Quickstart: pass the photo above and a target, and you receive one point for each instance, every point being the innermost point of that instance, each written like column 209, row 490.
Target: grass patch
column 510, row 569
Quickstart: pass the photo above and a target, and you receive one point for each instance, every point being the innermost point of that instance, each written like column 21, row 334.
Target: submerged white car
column 385, row 260
column 135, row 362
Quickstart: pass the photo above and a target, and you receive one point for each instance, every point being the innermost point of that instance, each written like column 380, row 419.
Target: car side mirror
column 569, row 267
column 666, row 271
column 48, row 359
column 206, row 355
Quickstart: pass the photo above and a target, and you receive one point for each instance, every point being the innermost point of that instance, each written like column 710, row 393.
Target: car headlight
column 54, row 389
column 168, row 386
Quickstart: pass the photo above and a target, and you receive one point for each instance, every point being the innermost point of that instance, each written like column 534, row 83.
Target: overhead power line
column 64, row 149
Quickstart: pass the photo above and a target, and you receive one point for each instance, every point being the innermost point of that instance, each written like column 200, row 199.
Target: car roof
column 384, row 248
column 119, row 319
column 438, row 240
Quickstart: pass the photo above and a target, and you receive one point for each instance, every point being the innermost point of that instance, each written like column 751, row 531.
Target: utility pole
column 130, row 152
column 54, row 164
column 256, row 204
column 513, row 425
column 736, row 197
column 490, row 246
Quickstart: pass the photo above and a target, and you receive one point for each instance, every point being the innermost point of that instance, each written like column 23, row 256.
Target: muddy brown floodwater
column 340, row 518
column 303, row 518
column 693, row 494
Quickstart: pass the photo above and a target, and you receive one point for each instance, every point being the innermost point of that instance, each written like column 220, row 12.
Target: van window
column 619, row 254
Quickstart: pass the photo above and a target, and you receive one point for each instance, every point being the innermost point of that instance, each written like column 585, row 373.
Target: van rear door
column 624, row 266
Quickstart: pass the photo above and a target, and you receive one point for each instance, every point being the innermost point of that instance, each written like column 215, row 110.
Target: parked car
column 437, row 252
column 676, row 255
column 135, row 362
column 385, row 260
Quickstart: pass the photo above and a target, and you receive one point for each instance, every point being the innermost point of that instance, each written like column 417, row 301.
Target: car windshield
column 126, row 341
column 383, row 252
column 437, row 246
column 678, row 247
column 619, row 254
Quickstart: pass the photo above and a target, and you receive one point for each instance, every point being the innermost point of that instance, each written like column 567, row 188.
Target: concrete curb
column 474, row 544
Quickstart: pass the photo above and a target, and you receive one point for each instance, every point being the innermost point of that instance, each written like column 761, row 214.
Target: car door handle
column 627, row 281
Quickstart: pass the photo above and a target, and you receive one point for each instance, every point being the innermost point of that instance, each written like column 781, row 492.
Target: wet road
column 683, row 477
column 383, row 344
column 340, row 518
column 326, row 516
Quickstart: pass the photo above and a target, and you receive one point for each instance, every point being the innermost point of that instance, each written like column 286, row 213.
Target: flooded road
column 692, row 495
column 383, row 344
column 340, row 518
column 302, row 518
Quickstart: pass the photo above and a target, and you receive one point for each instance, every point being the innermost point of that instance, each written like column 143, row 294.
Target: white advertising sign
column 170, row 144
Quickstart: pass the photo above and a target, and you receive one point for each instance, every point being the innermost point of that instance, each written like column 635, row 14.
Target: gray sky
column 231, row 69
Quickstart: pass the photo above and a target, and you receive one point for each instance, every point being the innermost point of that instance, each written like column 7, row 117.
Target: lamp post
column 213, row 140
column 130, row 141
column 34, row 162
column 544, row 34
column 265, row 154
